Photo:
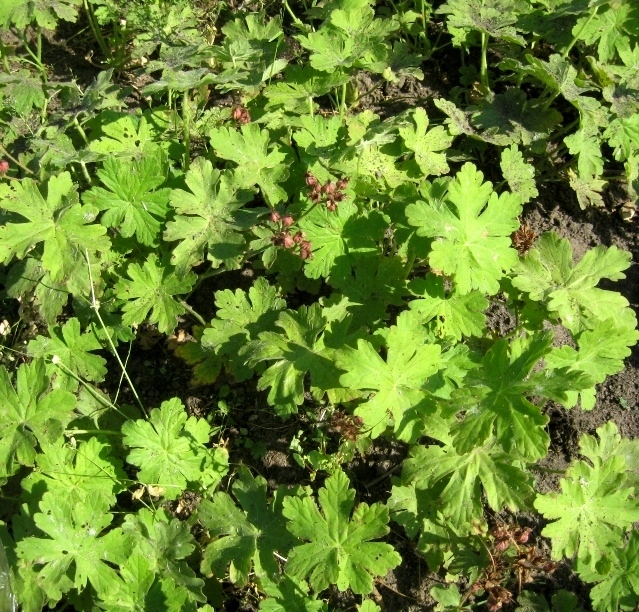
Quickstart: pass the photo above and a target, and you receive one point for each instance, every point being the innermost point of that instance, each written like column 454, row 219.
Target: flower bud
column 4, row 166
column 342, row 183
column 329, row 187
column 288, row 241
column 275, row 216
column 287, row 221
column 311, row 181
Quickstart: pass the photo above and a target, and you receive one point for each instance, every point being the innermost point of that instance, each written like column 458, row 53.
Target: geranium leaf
column 70, row 350
column 210, row 221
column 592, row 511
column 471, row 226
column 339, row 549
column 170, row 450
column 548, row 275
column 132, row 201
column 31, row 414
column 151, row 287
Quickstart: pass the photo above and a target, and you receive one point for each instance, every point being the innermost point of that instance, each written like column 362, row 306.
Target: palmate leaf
column 259, row 161
column 289, row 594
column 471, row 225
column 519, row 174
column 452, row 315
column 338, row 237
column 454, row 483
column 547, row 274
column 240, row 318
column 399, row 383
column 496, row 18
column 165, row 543
column 74, row 551
column 45, row 13
column 595, row 505
column 610, row 28
column 132, row 201
column 557, row 74
column 70, row 352
column 77, row 474
column 623, row 135
column 295, row 353
column 494, row 398
column 151, row 287
column 601, row 354
column 170, row 450
column 429, row 147
column 300, row 86
column 617, row 588
column 339, row 550
column 59, row 221
column 29, row 415
column 587, row 147
column 247, row 538
column 587, row 190
column 210, row 221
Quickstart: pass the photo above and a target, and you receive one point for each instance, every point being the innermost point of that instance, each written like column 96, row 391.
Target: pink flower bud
column 342, row 183
column 4, row 166
column 287, row 221
column 275, row 216
column 288, row 241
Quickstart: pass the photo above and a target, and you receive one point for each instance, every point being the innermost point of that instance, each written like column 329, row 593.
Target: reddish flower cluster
column 4, row 167
column 285, row 239
column 241, row 115
column 331, row 193
column 348, row 425
column 524, row 562
column 523, row 239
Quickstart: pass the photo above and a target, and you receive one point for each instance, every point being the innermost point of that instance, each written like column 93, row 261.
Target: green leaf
column 609, row 28
column 289, row 594
column 453, row 315
column 398, row 385
column 548, row 275
column 29, row 415
column 210, row 221
column 126, row 135
column 339, row 550
column 455, row 482
column 79, row 474
column 258, row 161
column 427, row 146
column 170, row 450
column 494, row 398
column 301, row 85
column 165, row 543
column 58, row 220
column 75, row 551
column 472, row 227
column 132, row 200
column 249, row 538
column 338, row 237
column 557, row 74
column 240, row 318
column 295, row 353
column 69, row 352
column 496, row 18
column 587, row 148
column 519, row 174
column 45, row 13
column 601, row 354
column 593, row 509
column 151, row 288
column 623, row 136
column 587, row 190
column 618, row 588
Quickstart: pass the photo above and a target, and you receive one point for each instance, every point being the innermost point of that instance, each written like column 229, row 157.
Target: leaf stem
column 95, row 306
column 483, row 69
column 186, row 129
column 576, row 37
column 195, row 315
column 6, row 153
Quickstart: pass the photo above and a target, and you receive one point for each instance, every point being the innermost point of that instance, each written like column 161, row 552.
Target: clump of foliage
column 375, row 246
